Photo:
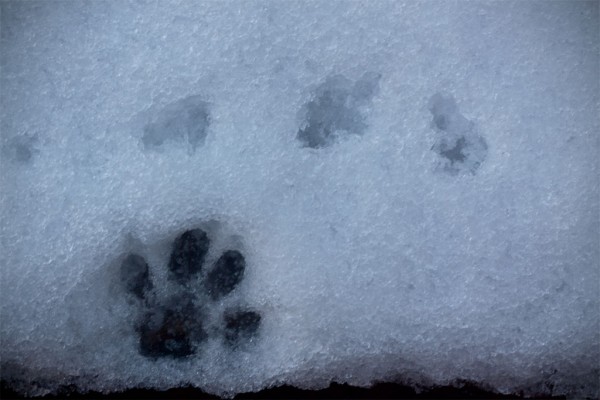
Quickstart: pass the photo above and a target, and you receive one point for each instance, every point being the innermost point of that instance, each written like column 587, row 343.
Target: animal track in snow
column 177, row 326
column 460, row 147
column 336, row 109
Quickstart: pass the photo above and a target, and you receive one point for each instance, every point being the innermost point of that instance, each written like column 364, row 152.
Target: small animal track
column 336, row 110
column 20, row 149
column 178, row 325
column 184, row 121
column 460, row 147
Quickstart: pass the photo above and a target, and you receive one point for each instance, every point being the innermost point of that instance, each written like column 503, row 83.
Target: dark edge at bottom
column 334, row 391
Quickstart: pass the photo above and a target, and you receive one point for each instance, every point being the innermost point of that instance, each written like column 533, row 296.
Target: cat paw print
column 176, row 324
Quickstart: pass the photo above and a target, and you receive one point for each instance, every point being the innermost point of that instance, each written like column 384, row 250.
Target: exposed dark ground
column 335, row 391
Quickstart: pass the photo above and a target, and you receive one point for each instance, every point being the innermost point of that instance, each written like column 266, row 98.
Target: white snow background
column 369, row 259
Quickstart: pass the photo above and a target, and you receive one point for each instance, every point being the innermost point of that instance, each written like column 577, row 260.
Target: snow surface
column 323, row 140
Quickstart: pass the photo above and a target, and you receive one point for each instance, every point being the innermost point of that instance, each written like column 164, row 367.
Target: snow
column 321, row 140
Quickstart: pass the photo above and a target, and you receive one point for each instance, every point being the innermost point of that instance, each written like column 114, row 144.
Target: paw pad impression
column 176, row 326
column 336, row 110
column 460, row 147
column 185, row 121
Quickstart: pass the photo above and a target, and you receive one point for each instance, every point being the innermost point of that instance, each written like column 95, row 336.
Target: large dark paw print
column 177, row 325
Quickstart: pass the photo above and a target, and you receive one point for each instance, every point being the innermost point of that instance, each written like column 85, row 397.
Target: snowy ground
column 414, row 188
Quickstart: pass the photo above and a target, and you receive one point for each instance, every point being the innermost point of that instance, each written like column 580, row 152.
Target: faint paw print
column 461, row 148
